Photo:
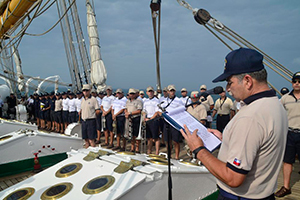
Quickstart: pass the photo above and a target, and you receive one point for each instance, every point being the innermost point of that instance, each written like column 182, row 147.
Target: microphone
column 215, row 90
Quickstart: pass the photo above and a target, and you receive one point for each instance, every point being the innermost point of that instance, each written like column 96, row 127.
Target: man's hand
column 216, row 133
column 192, row 139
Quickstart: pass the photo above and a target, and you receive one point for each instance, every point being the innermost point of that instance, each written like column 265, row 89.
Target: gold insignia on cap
column 225, row 64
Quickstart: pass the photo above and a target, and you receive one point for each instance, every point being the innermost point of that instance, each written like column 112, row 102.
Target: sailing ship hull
column 143, row 182
column 17, row 149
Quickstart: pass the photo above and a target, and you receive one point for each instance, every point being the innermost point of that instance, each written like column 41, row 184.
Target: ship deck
column 8, row 181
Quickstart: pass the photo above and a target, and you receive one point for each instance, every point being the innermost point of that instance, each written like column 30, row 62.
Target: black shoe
column 282, row 192
column 104, row 144
column 116, row 148
column 97, row 142
column 122, row 149
column 110, row 146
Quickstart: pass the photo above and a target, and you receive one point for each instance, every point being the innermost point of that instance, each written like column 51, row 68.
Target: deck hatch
column 68, row 170
column 98, row 184
column 23, row 193
column 57, row 191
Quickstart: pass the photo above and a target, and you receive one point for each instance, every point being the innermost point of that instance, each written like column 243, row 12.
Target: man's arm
column 214, row 113
column 214, row 165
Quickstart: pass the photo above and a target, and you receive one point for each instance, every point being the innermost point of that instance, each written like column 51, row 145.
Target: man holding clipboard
column 253, row 142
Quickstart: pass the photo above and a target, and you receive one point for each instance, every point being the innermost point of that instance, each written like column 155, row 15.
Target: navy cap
column 284, row 90
column 296, row 76
column 52, row 93
column 241, row 61
column 78, row 92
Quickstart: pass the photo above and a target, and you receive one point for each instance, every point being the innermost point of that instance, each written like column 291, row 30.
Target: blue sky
column 190, row 55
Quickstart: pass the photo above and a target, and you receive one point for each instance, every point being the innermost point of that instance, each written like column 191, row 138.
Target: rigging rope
column 203, row 17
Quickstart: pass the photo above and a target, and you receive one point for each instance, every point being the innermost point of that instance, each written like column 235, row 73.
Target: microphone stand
column 169, row 155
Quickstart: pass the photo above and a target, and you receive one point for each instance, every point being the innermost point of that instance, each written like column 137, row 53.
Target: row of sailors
column 121, row 108
column 66, row 109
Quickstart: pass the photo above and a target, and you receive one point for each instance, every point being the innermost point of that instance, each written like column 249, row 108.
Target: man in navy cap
column 253, row 142
column 291, row 102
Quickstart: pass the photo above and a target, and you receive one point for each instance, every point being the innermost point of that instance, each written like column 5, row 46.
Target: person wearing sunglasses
column 291, row 102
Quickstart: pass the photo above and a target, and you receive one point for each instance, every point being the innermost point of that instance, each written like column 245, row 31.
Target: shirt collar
column 88, row 97
column 292, row 94
column 268, row 93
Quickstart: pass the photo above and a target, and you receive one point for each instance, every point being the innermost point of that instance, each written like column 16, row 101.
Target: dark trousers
column 222, row 121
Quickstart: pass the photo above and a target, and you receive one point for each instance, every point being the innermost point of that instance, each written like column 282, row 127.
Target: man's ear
column 248, row 81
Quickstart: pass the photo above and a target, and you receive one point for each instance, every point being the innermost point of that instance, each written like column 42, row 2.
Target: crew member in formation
column 52, row 112
column 58, row 114
column 89, row 110
column 118, row 116
column 163, row 102
column 41, row 113
column 142, row 95
column 184, row 97
column 99, row 117
column 133, row 110
column 208, row 102
column 46, row 111
column 197, row 109
column 173, row 102
column 72, row 108
column 65, row 113
column 224, row 110
column 78, row 100
column 106, row 108
column 151, row 117
column 37, row 109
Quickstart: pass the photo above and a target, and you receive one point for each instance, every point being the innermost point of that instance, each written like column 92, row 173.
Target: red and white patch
column 237, row 162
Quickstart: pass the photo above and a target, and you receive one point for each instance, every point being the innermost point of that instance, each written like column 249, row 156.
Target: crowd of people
column 258, row 132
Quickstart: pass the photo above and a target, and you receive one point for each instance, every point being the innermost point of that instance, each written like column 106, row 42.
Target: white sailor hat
column 150, row 88
column 203, row 87
column 132, row 90
column 171, row 87
column 194, row 94
column 119, row 91
column 86, row 87
column 183, row 90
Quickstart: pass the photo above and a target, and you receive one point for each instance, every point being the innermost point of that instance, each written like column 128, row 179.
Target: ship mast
column 75, row 47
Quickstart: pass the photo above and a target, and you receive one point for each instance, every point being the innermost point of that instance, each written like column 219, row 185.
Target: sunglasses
column 295, row 81
column 85, row 90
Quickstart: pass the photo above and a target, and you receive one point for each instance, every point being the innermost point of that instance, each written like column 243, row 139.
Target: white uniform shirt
column 163, row 101
column 119, row 104
column 150, row 106
column 78, row 104
column 107, row 102
column 72, row 105
column 29, row 100
column 172, row 104
column 65, row 104
column 186, row 100
column 99, row 101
